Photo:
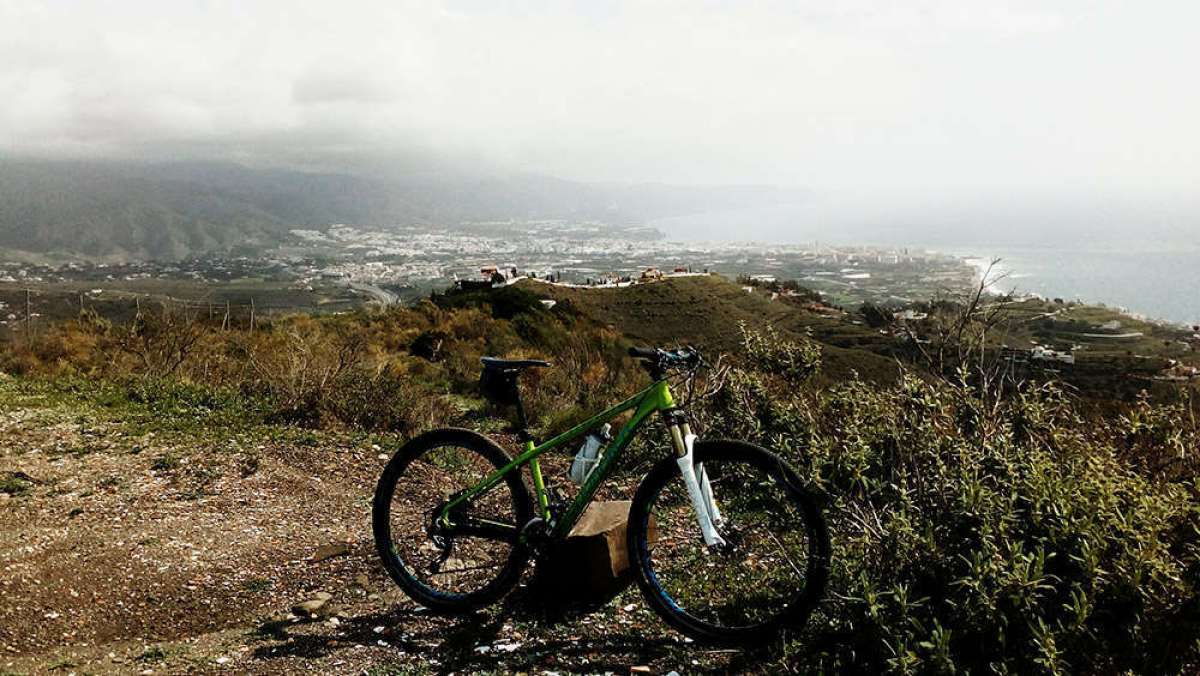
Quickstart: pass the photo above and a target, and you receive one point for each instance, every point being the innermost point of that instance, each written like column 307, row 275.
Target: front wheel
column 772, row 569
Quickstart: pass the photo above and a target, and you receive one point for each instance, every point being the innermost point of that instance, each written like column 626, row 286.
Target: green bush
column 383, row 401
column 976, row 535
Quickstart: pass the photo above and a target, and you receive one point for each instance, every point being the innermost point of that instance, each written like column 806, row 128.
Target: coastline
column 1148, row 287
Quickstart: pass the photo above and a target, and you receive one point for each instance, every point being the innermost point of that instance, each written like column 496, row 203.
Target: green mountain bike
column 727, row 545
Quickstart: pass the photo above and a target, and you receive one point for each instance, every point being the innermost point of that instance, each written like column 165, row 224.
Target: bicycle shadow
column 556, row 636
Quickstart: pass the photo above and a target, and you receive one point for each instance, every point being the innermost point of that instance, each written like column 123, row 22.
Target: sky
column 855, row 98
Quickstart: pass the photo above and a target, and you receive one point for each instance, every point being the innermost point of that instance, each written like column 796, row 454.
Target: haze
column 962, row 101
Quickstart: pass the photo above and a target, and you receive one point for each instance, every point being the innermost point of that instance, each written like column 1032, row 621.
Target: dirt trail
column 130, row 552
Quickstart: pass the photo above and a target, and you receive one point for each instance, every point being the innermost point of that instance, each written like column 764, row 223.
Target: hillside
column 706, row 311
column 127, row 210
column 171, row 488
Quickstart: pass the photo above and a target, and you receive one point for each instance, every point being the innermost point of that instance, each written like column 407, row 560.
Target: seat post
column 522, row 421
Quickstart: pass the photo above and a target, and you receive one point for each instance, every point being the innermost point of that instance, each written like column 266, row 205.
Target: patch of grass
column 201, row 480
column 286, row 435
column 248, row 464
column 159, row 652
column 16, row 483
column 152, row 654
column 80, row 450
column 257, row 585
column 166, row 462
column 393, row 670
column 174, row 406
column 62, row 664
column 305, row 438
column 111, row 481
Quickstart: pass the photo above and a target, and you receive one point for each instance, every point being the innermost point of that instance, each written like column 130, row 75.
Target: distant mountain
column 141, row 210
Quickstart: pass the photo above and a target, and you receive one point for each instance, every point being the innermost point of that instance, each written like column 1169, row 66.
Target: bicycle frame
column 656, row 397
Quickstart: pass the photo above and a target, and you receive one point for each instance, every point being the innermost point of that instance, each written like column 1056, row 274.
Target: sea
column 1152, row 273
column 1163, row 285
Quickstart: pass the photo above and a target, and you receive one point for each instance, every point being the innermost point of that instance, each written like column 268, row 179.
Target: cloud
column 328, row 87
column 857, row 95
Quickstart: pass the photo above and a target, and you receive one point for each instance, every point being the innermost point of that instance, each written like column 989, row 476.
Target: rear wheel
column 773, row 569
column 475, row 561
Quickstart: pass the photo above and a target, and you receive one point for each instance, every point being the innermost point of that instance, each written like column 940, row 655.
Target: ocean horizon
column 1151, row 273
column 1161, row 285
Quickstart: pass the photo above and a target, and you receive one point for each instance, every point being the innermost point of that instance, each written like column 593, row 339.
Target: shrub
column 767, row 352
column 981, row 536
column 383, row 401
column 1162, row 440
column 875, row 315
column 297, row 367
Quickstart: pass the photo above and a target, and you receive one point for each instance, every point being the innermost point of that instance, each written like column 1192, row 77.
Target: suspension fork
column 704, row 504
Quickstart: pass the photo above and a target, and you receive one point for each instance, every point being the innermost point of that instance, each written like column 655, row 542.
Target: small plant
column 257, row 585
column 166, row 462
column 15, row 483
column 155, row 653
column 63, row 664
column 111, row 481
column 248, row 464
column 769, row 352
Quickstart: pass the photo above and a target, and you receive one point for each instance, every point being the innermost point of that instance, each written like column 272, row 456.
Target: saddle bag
column 499, row 386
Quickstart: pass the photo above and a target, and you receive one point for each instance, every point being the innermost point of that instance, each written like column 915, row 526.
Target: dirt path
column 127, row 551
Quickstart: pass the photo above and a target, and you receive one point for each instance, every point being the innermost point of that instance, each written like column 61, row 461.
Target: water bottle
column 589, row 454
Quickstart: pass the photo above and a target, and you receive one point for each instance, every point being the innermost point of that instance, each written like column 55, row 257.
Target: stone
column 361, row 584
column 331, row 550
column 316, row 606
column 591, row 566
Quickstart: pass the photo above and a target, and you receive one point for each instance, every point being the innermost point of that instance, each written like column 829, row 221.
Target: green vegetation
column 399, row 370
column 707, row 312
column 159, row 653
column 983, row 535
column 166, row 462
column 15, row 483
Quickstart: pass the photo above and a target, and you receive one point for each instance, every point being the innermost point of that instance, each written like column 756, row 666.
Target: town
column 405, row 263
column 341, row 267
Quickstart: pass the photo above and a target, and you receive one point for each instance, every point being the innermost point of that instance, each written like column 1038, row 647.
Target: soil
column 124, row 550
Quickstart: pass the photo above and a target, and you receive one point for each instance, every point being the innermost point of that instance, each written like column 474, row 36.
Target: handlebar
column 643, row 352
column 659, row 360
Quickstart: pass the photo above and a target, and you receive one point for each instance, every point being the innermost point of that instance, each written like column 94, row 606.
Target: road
column 385, row 298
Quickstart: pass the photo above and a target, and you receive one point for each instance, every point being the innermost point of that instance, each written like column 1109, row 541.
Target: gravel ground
column 124, row 550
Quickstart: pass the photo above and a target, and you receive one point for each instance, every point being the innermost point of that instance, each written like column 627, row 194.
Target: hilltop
column 707, row 311
column 1112, row 356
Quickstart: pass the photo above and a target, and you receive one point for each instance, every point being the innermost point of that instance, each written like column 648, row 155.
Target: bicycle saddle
column 508, row 364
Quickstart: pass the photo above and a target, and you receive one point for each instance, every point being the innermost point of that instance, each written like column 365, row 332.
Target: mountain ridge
column 130, row 210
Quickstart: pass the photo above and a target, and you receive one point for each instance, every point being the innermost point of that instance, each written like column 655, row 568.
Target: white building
column 1042, row 353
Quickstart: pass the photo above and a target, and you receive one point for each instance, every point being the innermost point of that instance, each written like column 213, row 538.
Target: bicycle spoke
column 762, row 567
column 487, row 529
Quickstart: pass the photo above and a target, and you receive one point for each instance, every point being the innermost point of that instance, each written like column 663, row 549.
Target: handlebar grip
column 643, row 353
